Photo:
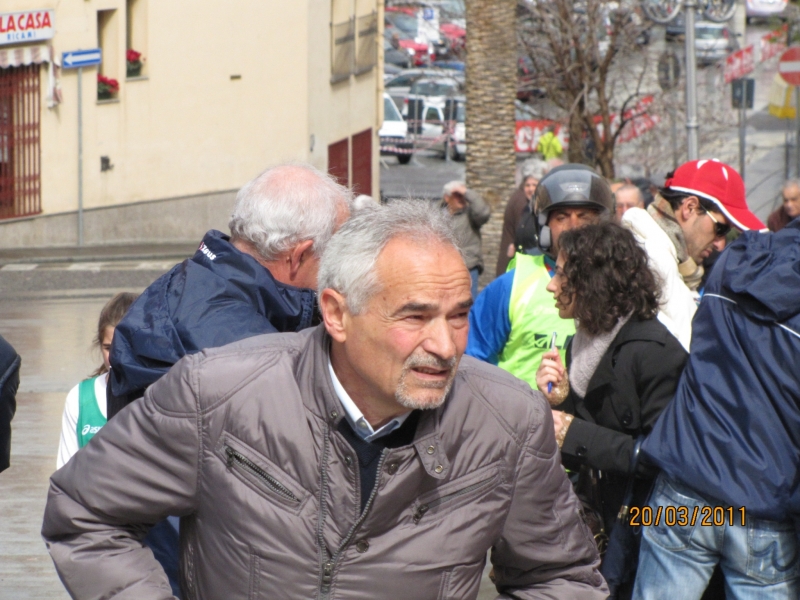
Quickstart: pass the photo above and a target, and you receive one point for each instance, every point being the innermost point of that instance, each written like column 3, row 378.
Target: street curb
column 178, row 256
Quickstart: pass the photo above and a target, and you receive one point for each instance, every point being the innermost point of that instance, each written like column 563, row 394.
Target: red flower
column 112, row 85
column 133, row 56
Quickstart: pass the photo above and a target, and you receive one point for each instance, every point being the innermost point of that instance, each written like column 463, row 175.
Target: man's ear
column 298, row 255
column 687, row 207
column 335, row 315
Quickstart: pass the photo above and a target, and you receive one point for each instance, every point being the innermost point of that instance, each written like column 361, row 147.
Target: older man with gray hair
column 361, row 459
column 260, row 279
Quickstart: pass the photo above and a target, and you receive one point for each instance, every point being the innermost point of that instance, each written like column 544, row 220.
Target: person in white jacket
column 688, row 219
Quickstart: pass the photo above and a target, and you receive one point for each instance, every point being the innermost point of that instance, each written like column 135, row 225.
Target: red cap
column 720, row 183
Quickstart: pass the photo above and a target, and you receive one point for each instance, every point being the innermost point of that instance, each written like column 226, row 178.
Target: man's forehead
column 408, row 263
column 791, row 191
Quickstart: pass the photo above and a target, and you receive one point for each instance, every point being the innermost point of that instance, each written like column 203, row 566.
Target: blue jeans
column 759, row 559
column 474, row 274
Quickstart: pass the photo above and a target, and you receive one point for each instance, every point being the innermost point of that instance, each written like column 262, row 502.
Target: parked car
column 764, row 8
column 432, row 131
column 434, row 89
column 713, row 42
column 393, row 133
column 399, row 87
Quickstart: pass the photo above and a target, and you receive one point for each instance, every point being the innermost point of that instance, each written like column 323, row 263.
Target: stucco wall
column 187, row 127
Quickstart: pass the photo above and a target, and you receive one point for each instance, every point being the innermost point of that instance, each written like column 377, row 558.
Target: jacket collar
column 633, row 331
column 288, row 308
column 320, row 399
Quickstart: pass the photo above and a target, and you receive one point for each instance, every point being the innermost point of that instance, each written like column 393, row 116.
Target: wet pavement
column 54, row 339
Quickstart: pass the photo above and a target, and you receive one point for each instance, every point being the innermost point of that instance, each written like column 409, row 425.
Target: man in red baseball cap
column 690, row 217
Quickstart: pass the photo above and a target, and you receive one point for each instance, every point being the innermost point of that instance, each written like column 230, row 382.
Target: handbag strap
column 626, row 502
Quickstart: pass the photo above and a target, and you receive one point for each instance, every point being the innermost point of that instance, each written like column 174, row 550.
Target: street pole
column 689, row 8
column 80, row 156
column 742, row 133
column 797, row 131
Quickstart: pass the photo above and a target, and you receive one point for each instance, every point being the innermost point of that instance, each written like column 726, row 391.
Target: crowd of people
column 616, row 414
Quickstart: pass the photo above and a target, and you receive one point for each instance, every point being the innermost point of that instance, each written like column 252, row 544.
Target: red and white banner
column 26, row 26
column 638, row 122
column 774, row 42
column 740, row 63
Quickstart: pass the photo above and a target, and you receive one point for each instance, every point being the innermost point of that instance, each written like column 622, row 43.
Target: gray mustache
column 431, row 361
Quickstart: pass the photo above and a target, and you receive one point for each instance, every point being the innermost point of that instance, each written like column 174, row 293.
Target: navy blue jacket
column 9, row 382
column 732, row 432
column 217, row 297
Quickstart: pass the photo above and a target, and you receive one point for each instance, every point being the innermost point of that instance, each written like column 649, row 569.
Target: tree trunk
column 490, row 123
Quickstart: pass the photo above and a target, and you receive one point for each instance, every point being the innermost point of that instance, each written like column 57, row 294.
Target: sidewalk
column 127, row 252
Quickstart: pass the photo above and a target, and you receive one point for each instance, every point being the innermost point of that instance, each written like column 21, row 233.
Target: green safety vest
column 534, row 317
column 90, row 418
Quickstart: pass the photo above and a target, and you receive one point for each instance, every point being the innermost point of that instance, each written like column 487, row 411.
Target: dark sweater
column 369, row 453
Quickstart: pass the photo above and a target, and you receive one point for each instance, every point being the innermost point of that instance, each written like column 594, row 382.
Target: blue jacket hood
column 763, row 272
column 732, row 432
column 219, row 296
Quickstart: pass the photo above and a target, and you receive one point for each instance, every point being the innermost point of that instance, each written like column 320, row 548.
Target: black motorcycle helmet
column 567, row 186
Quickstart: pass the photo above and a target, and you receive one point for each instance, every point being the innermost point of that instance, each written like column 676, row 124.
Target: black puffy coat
column 9, row 382
column 633, row 383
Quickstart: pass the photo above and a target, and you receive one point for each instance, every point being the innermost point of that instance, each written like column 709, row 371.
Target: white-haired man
column 361, row 459
column 469, row 213
column 260, row 279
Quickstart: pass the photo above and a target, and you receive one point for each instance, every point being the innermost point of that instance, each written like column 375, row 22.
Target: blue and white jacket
column 732, row 432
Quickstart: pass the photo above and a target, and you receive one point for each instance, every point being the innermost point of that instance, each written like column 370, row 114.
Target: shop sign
column 26, row 26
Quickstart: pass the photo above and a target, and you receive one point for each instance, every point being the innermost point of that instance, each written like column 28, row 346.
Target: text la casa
column 24, row 21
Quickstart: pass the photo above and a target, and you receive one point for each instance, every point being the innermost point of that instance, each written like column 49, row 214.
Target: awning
column 24, row 55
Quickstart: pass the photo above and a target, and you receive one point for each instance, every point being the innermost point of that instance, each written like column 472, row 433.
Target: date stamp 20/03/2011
column 683, row 516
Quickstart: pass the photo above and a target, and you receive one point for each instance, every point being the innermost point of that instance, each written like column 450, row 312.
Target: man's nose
column 440, row 339
column 719, row 243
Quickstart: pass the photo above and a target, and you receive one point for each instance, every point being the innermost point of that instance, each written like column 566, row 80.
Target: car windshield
column 709, row 33
column 390, row 112
column 404, row 22
column 433, row 88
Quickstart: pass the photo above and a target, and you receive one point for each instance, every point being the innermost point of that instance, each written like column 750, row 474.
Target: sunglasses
column 720, row 229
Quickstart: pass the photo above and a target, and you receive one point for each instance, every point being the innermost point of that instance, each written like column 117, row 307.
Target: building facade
column 189, row 101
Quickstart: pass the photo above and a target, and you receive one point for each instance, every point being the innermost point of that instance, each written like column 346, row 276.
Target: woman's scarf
column 662, row 213
column 587, row 350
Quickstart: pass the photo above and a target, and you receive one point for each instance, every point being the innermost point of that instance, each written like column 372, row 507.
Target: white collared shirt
column 356, row 418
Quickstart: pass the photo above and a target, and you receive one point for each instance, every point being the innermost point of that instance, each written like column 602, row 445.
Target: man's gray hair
column 348, row 263
column 288, row 204
column 450, row 186
column 791, row 183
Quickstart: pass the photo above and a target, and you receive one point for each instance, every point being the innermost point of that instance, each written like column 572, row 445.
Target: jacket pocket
column 455, row 493
column 261, row 474
column 463, row 581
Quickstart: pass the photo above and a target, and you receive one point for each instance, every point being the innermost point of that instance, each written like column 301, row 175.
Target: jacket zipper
column 276, row 486
column 423, row 508
column 330, row 563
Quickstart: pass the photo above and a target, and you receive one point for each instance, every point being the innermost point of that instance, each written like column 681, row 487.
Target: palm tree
column 490, row 122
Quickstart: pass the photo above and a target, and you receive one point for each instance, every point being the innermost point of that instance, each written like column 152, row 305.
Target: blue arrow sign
column 80, row 58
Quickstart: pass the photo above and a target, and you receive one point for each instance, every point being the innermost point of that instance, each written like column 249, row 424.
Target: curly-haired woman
column 623, row 365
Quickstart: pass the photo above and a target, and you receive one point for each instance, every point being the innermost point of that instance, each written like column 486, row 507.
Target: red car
column 420, row 53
